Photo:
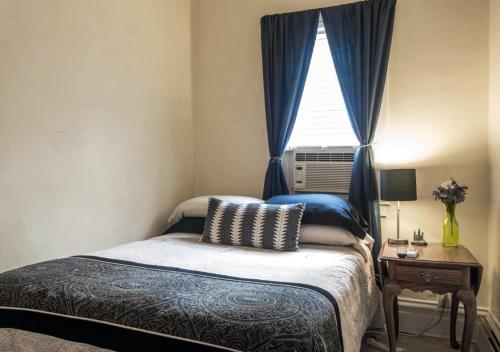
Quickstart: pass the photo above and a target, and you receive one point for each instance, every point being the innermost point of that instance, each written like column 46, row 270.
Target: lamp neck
column 399, row 210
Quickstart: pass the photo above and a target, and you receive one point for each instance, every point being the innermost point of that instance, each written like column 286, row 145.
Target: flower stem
column 450, row 210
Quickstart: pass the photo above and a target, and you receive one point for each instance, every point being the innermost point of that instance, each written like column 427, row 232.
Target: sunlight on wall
column 401, row 151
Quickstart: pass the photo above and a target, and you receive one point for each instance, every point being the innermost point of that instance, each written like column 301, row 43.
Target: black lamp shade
column 398, row 184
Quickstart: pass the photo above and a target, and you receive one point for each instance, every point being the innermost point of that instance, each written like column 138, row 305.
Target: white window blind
column 322, row 119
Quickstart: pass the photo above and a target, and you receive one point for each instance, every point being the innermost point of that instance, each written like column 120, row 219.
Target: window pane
column 322, row 119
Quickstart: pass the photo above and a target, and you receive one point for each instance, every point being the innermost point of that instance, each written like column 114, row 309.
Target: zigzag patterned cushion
column 254, row 225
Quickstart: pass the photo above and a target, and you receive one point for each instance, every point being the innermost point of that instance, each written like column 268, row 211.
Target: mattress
column 345, row 274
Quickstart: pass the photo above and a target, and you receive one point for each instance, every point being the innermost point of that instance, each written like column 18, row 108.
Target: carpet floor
column 416, row 344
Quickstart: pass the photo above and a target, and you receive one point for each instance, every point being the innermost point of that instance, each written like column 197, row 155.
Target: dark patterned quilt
column 134, row 307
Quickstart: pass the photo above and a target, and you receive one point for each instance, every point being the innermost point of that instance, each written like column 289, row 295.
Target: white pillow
column 326, row 234
column 198, row 207
column 336, row 236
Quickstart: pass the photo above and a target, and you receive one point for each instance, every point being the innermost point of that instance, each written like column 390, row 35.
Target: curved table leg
column 453, row 321
column 469, row 300
column 391, row 290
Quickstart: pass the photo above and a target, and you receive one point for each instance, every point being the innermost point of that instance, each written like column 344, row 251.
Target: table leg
column 453, row 321
column 470, row 306
column 396, row 316
column 391, row 290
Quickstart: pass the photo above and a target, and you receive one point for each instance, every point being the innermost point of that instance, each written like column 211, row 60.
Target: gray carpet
column 13, row 340
column 417, row 344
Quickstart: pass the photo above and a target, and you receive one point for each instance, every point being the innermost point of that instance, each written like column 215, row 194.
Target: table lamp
column 398, row 185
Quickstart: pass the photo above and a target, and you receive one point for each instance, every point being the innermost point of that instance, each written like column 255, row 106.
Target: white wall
column 435, row 116
column 494, row 128
column 96, row 127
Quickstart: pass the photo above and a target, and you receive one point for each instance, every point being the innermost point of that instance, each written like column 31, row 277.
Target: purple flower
column 450, row 192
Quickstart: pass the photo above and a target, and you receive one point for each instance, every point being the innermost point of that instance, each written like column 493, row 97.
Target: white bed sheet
column 346, row 272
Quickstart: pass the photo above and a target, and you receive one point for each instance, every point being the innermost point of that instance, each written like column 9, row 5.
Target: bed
column 174, row 292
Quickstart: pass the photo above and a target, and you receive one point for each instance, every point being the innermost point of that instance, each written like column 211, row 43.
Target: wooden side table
column 439, row 269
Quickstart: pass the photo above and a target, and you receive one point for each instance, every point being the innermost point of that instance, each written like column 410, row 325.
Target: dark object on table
column 401, row 252
column 418, row 238
column 398, row 185
column 439, row 269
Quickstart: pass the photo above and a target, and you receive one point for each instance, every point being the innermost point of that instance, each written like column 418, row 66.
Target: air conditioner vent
column 325, row 157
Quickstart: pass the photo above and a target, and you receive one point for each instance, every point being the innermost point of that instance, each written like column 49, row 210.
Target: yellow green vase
column 450, row 226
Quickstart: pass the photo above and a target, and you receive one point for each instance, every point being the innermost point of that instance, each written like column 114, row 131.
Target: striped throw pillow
column 254, row 225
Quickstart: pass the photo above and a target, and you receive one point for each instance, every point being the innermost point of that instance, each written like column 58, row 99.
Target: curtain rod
column 320, row 8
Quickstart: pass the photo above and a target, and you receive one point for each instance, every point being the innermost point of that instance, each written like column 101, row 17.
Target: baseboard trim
column 491, row 334
column 495, row 325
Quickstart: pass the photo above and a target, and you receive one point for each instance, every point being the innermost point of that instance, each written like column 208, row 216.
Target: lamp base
column 397, row 241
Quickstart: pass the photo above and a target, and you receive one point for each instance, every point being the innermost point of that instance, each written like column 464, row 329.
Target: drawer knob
column 428, row 276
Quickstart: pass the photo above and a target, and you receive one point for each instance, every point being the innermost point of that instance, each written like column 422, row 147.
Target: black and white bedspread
column 173, row 293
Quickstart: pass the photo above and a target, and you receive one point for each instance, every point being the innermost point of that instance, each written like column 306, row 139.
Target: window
column 322, row 119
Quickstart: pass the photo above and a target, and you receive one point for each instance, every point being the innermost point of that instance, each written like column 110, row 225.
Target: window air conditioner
column 323, row 170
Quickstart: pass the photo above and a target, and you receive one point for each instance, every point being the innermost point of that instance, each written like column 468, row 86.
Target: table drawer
column 429, row 275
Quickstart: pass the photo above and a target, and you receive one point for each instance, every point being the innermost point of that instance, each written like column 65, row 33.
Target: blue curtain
column 287, row 46
column 359, row 35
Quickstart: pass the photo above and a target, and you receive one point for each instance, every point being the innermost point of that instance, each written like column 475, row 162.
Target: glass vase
column 450, row 226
